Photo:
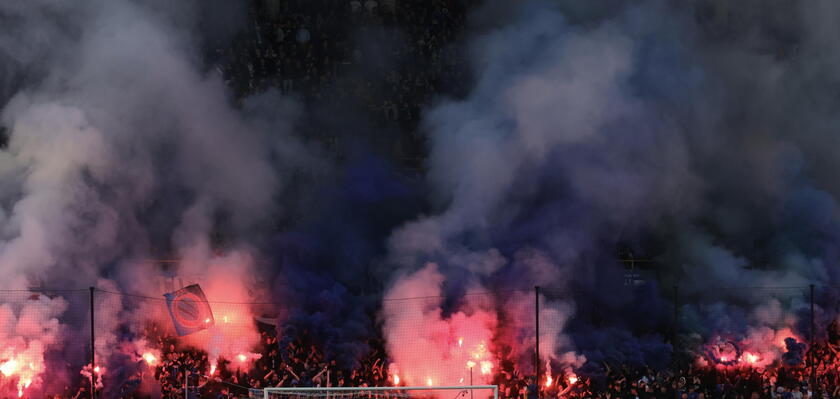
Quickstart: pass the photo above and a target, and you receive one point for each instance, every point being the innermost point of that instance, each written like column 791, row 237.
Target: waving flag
column 189, row 310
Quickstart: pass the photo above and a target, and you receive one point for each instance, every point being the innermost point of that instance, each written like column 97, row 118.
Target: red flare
column 150, row 358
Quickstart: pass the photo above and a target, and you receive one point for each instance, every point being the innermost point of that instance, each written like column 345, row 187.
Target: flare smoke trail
column 121, row 144
column 700, row 133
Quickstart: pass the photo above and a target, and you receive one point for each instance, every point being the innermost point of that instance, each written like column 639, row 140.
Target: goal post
column 458, row 392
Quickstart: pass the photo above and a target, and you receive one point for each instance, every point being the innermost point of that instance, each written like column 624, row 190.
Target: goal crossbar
column 267, row 391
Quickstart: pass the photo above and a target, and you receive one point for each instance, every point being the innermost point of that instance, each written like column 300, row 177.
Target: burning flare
column 9, row 367
column 428, row 345
column 548, row 379
column 150, row 358
column 21, row 368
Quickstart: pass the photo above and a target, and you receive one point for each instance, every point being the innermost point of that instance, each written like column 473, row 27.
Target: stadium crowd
column 382, row 61
column 301, row 364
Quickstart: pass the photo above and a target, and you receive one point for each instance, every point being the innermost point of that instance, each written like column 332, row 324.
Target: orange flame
column 150, row 358
column 573, row 379
column 396, row 379
column 26, row 372
column 548, row 381
column 486, row 367
column 22, row 385
column 9, row 367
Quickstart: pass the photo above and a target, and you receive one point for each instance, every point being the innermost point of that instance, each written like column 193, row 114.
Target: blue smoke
column 329, row 282
column 795, row 352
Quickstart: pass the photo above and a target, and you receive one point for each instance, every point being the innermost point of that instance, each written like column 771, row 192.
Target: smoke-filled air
column 549, row 198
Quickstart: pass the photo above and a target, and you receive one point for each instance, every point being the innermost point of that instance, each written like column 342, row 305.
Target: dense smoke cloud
column 123, row 119
column 122, row 149
column 696, row 133
column 701, row 135
column 429, row 347
column 795, row 354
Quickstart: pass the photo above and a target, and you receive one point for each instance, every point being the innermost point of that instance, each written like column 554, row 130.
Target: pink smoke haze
column 761, row 348
column 430, row 349
column 28, row 328
column 234, row 335
column 518, row 331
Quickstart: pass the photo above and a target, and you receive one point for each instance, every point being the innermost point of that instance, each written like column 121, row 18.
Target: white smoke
column 592, row 126
column 428, row 347
column 118, row 142
column 541, row 87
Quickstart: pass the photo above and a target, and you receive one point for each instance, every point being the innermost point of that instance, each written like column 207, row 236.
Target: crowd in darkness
column 298, row 363
column 382, row 59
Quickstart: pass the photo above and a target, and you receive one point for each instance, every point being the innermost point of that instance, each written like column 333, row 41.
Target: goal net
column 422, row 392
